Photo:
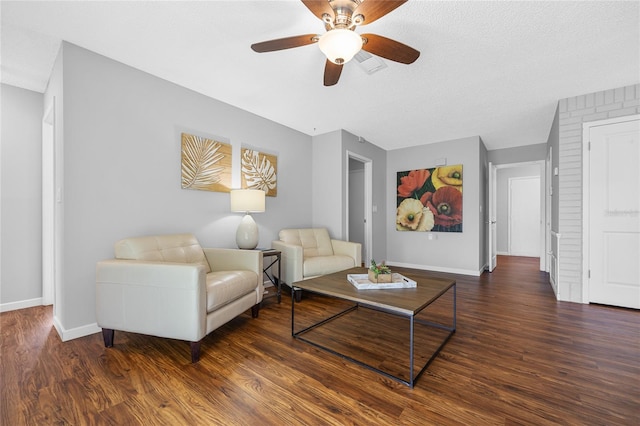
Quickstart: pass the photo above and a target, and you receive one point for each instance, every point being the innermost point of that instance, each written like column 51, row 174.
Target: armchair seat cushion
column 224, row 287
column 323, row 265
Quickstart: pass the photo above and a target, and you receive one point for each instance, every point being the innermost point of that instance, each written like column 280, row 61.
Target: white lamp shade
column 340, row 45
column 247, row 200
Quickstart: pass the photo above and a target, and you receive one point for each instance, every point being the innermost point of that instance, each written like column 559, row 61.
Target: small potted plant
column 379, row 273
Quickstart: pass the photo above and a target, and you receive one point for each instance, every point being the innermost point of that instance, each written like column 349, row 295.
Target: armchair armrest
column 162, row 299
column 221, row 259
column 348, row 248
column 292, row 260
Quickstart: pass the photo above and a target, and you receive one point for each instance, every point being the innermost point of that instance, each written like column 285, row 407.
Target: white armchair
column 168, row 286
column 310, row 252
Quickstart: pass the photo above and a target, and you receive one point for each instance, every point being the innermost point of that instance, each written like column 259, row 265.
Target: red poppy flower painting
column 430, row 199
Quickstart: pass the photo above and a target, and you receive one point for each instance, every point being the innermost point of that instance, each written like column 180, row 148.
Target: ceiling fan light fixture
column 340, row 45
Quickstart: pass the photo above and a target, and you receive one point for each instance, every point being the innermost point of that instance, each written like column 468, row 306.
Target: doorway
column 518, row 184
column 360, row 203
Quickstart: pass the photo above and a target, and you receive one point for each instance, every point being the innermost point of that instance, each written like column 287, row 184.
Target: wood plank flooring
column 518, row 357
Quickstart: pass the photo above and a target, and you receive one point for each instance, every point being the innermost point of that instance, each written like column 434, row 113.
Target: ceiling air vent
column 369, row 63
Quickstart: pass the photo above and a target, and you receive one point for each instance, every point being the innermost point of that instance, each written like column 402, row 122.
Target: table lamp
column 247, row 201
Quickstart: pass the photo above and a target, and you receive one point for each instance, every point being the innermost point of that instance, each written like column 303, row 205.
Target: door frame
column 50, row 231
column 586, row 192
column 368, row 202
column 548, row 193
column 491, row 215
column 543, row 201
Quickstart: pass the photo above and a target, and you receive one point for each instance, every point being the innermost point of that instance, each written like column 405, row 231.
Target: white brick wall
column 572, row 113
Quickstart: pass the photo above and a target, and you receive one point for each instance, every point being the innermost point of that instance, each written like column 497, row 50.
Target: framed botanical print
column 206, row 164
column 259, row 171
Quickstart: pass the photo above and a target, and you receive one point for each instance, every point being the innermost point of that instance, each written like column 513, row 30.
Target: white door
column 491, row 222
column 614, row 214
column 524, row 216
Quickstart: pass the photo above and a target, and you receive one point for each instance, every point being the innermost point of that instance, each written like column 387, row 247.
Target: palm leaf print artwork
column 206, row 164
column 259, row 171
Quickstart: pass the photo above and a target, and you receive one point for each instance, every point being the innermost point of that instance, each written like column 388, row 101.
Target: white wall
column 122, row 168
column 449, row 252
column 565, row 137
column 21, row 193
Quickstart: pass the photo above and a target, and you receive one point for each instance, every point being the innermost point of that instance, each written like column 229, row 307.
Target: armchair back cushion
column 180, row 248
column 314, row 241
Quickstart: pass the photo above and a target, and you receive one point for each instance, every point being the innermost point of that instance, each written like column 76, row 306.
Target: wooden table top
column 405, row 301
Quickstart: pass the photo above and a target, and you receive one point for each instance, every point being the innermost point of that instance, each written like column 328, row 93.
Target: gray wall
column 449, row 252
column 21, row 190
column 119, row 169
column 327, row 183
column 518, row 154
column 121, row 142
column 483, row 196
column 378, row 157
column 330, row 168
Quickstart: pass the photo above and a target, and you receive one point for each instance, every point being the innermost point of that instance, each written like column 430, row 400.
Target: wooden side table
column 274, row 258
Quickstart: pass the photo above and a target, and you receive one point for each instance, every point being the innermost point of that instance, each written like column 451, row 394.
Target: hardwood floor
column 518, row 357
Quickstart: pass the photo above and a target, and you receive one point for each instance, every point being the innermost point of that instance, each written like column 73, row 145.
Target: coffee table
column 404, row 303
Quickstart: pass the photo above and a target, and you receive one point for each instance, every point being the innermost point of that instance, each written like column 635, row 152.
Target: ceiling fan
column 340, row 43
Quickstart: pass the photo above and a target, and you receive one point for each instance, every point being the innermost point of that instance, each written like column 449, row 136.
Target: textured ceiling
column 493, row 69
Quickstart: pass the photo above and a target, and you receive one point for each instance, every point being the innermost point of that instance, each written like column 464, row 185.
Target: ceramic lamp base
column 247, row 233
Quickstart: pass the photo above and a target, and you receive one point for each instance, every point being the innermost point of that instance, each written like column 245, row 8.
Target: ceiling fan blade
column 319, row 8
column 389, row 49
column 373, row 10
column 284, row 43
column 331, row 73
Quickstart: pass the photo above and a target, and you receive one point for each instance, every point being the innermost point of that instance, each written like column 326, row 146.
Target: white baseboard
column 75, row 333
column 70, row 334
column 437, row 268
column 22, row 304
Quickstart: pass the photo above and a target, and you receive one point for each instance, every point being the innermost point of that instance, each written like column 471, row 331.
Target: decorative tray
column 362, row 282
